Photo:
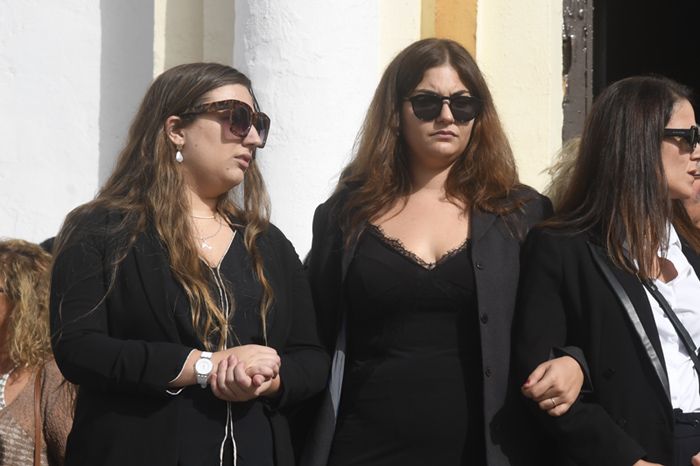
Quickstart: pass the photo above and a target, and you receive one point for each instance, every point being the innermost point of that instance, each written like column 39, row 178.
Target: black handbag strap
column 677, row 324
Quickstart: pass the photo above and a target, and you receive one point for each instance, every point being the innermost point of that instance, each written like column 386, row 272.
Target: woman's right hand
column 646, row 463
column 555, row 385
column 258, row 361
column 696, row 460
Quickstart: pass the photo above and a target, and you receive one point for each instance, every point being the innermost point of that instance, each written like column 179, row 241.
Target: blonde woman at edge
column 26, row 362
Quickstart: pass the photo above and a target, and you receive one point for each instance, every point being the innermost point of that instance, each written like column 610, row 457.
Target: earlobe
column 174, row 131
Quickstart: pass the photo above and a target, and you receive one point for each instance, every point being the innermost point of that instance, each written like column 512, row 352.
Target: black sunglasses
column 427, row 107
column 241, row 117
column 690, row 135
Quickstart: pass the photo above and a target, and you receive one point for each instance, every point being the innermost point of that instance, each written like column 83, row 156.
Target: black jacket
column 123, row 348
column 565, row 298
column 496, row 242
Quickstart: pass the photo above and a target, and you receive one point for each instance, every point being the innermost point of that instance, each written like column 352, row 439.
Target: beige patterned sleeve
column 58, row 397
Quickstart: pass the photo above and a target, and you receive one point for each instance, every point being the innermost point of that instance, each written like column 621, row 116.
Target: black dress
column 203, row 437
column 412, row 387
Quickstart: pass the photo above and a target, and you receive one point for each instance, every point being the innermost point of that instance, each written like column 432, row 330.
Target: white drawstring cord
column 225, row 304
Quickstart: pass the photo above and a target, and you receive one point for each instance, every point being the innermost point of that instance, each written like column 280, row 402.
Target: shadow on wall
column 126, row 70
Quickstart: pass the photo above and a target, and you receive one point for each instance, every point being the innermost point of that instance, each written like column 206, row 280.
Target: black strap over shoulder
column 600, row 257
column 677, row 324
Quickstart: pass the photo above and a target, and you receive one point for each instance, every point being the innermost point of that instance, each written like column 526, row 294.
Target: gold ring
column 554, row 403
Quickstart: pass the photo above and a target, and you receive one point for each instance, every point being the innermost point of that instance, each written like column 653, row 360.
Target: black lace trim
column 398, row 246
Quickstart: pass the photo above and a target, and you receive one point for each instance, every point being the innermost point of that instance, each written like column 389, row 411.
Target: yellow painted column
column 450, row 19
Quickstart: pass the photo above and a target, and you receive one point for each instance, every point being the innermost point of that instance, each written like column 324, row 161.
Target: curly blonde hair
column 24, row 272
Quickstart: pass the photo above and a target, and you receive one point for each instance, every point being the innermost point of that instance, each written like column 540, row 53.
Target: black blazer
column 122, row 349
column 496, row 242
column 565, row 298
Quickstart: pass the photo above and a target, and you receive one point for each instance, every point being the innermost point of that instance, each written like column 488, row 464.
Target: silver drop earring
column 178, row 155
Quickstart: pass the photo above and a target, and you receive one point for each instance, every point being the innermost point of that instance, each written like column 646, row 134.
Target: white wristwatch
column 203, row 367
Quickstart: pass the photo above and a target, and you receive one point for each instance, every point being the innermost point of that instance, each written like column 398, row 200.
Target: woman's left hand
column 230, row 382
column 555, row 385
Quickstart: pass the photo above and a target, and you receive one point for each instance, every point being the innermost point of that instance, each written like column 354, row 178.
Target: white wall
column 49, row 93
column 71, row 73
column 313, row 64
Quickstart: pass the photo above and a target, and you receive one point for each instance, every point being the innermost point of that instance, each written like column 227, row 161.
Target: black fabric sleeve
column 586, row 432
column 85, row 350
column 305, row 363
column 324, row 268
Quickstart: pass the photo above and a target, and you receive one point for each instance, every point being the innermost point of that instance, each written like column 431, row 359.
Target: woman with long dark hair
column 611, row 275
column 414, row 267
column 165, row 283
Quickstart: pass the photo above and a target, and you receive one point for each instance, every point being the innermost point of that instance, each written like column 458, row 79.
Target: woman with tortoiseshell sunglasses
column 182, row 314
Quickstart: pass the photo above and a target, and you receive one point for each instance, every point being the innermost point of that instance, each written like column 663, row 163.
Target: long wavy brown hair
column 148, row 189
column 617, row 188
column 24, row 271
column 378, row 176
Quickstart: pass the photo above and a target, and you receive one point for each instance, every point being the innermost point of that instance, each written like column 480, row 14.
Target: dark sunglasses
column 240, row 117
column 427, row 107
column 690, row 135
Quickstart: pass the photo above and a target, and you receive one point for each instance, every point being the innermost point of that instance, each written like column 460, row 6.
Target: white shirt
column 683, row 295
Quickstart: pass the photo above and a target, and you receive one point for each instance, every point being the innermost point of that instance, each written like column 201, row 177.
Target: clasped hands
column 246, row 372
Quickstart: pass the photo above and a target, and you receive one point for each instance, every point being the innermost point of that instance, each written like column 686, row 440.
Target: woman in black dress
column 414, row 267
column 164, row 283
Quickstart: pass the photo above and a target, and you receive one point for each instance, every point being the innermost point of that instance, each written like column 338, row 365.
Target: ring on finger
column 554, row 403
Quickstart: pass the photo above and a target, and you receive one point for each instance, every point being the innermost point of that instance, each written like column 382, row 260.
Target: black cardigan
column 122, row 349
column 566, row 299
column 496, row 242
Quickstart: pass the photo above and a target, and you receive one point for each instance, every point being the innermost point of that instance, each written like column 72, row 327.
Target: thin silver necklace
column 3, row 383
column 203, row 239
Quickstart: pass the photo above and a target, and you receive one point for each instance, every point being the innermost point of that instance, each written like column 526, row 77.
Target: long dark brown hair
column 148, row 190
column 617, row 188
column 378, row 175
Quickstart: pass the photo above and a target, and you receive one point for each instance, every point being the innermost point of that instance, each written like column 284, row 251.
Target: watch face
column 203, row 366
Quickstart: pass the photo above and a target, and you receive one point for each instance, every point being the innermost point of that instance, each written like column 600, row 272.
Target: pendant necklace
column 203, row 239
column 3, row 383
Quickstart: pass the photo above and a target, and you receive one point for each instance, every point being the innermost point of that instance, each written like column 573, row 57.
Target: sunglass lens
column 426, row 107
column 262, row 126
column 241, row 119
column 464, row 108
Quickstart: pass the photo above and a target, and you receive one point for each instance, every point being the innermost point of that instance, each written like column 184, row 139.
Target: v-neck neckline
column 398, row 246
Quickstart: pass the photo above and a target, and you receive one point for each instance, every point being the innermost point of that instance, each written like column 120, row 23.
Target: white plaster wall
column 49, row 93
column 314, row 67
column 70, row 79
column 519, row 51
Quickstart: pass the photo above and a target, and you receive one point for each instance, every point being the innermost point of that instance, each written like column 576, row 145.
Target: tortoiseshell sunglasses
column 240, row 116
